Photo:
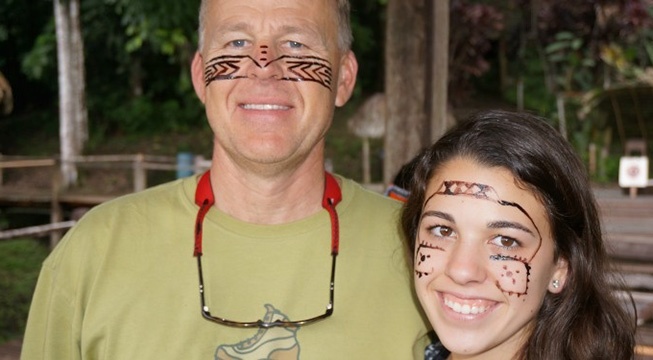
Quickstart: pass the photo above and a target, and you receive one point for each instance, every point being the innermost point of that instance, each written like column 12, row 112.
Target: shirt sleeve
column 52, row 331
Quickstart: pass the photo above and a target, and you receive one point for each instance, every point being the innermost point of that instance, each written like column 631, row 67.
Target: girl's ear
column 559, row 278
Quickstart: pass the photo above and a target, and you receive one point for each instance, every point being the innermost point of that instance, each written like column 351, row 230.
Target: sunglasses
column 204, row 197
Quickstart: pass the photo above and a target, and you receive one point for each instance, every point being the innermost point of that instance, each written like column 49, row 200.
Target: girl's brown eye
column 441, row 231
column 505, row 242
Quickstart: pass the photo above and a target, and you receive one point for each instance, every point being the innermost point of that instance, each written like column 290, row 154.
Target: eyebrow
column 439, row 214
column 502, row 224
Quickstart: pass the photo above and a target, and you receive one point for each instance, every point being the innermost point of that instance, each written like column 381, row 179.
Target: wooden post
column 1, row 171
column 200, row 164
column 140, row 175
column 56, row 210
column 440, row 69
column 367, row 176
column 592, row 159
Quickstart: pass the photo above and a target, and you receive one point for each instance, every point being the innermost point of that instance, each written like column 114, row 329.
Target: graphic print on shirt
column 278, row 343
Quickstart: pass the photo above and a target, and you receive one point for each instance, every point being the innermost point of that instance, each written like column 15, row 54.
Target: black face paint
column 293, row 68
column 512, row 272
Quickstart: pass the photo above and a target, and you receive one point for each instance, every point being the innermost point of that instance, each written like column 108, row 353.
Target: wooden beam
column 36, row 230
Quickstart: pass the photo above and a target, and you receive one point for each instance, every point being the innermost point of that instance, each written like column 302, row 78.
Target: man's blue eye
column 238, row 43
column 295, row 44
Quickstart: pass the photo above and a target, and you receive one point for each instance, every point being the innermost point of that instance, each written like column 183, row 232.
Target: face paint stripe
column 304, row 68
column 224, row 68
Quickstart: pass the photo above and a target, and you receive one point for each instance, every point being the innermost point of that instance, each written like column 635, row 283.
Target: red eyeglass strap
column 331, row 198
column 204, row 198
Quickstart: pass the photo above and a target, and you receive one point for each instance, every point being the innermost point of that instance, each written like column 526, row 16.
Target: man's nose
column 267, row 64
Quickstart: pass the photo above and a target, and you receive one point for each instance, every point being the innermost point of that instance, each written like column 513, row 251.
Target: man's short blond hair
column 345, row 37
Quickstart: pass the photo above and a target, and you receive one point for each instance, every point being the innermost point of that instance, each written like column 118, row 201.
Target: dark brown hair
column 586, row 320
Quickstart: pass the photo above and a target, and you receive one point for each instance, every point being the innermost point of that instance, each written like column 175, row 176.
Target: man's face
column 270, row 73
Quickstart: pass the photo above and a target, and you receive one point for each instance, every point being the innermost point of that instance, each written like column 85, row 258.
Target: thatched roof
column 369, row 119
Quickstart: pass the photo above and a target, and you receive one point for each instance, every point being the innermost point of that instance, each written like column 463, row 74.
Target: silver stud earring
column 555, row 283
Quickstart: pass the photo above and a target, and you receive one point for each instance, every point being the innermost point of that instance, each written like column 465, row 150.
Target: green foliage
column 4, row 34
column 368, row 28
column 41, row 60
column 20, row 262
column 573, row 63
column 536, row 96
column 164, row 27
column 145, row 115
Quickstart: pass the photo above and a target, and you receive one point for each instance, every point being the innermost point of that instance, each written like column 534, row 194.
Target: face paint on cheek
column 309, row 68
column 512, row 274
column 424, row 256
column 292, row 68
column 227, row 67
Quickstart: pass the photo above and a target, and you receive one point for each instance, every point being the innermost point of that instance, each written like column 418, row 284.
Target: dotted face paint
column 508, row 259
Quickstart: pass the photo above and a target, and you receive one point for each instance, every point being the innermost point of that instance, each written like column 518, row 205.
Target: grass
column 20, row 263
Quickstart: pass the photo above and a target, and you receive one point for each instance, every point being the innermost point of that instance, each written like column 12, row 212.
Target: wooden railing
column 140, row 165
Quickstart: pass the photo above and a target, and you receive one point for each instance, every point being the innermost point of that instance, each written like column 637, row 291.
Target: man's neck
column 270, row 198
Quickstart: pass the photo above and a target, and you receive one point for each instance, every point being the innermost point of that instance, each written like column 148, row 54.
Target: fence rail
column 37, row 231
column 139, row 164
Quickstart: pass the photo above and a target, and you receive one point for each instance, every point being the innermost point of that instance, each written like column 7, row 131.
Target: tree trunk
column 66, row 107
column 440, row 69
column 562, row 116
column 78, row 77
column 73, row 118
column 407, row 129
column 135, row 75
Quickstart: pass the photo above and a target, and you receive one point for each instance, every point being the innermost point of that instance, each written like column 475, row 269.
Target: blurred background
column 92, row 90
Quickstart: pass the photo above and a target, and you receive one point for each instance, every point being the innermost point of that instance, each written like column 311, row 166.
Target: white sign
column 633, row 171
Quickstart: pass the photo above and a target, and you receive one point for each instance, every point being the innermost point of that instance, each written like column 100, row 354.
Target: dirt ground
column 10, row 350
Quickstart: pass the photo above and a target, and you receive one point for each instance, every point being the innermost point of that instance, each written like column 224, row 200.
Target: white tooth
column 465, row 309
column 264, row 107
column 457, row 307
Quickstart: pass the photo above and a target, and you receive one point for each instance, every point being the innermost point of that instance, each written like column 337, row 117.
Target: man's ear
column 346, row 78
column 197, row 74
column 559, row 278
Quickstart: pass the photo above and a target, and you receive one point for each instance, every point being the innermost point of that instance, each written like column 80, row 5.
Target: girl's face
column 484, row 259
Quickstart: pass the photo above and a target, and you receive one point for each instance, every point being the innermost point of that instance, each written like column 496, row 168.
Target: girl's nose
column 466, row 263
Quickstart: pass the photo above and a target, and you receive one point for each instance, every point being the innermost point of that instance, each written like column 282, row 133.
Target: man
column 240, row 263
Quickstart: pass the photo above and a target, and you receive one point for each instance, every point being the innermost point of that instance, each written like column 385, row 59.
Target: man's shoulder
column 366, row 196
column 151, row 199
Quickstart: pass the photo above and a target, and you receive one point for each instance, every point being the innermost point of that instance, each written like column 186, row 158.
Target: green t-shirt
column 123, row 284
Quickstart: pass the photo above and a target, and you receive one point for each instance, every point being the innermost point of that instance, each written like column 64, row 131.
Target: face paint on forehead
column 511, row 272
column 479, row 191
column 294, row 68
